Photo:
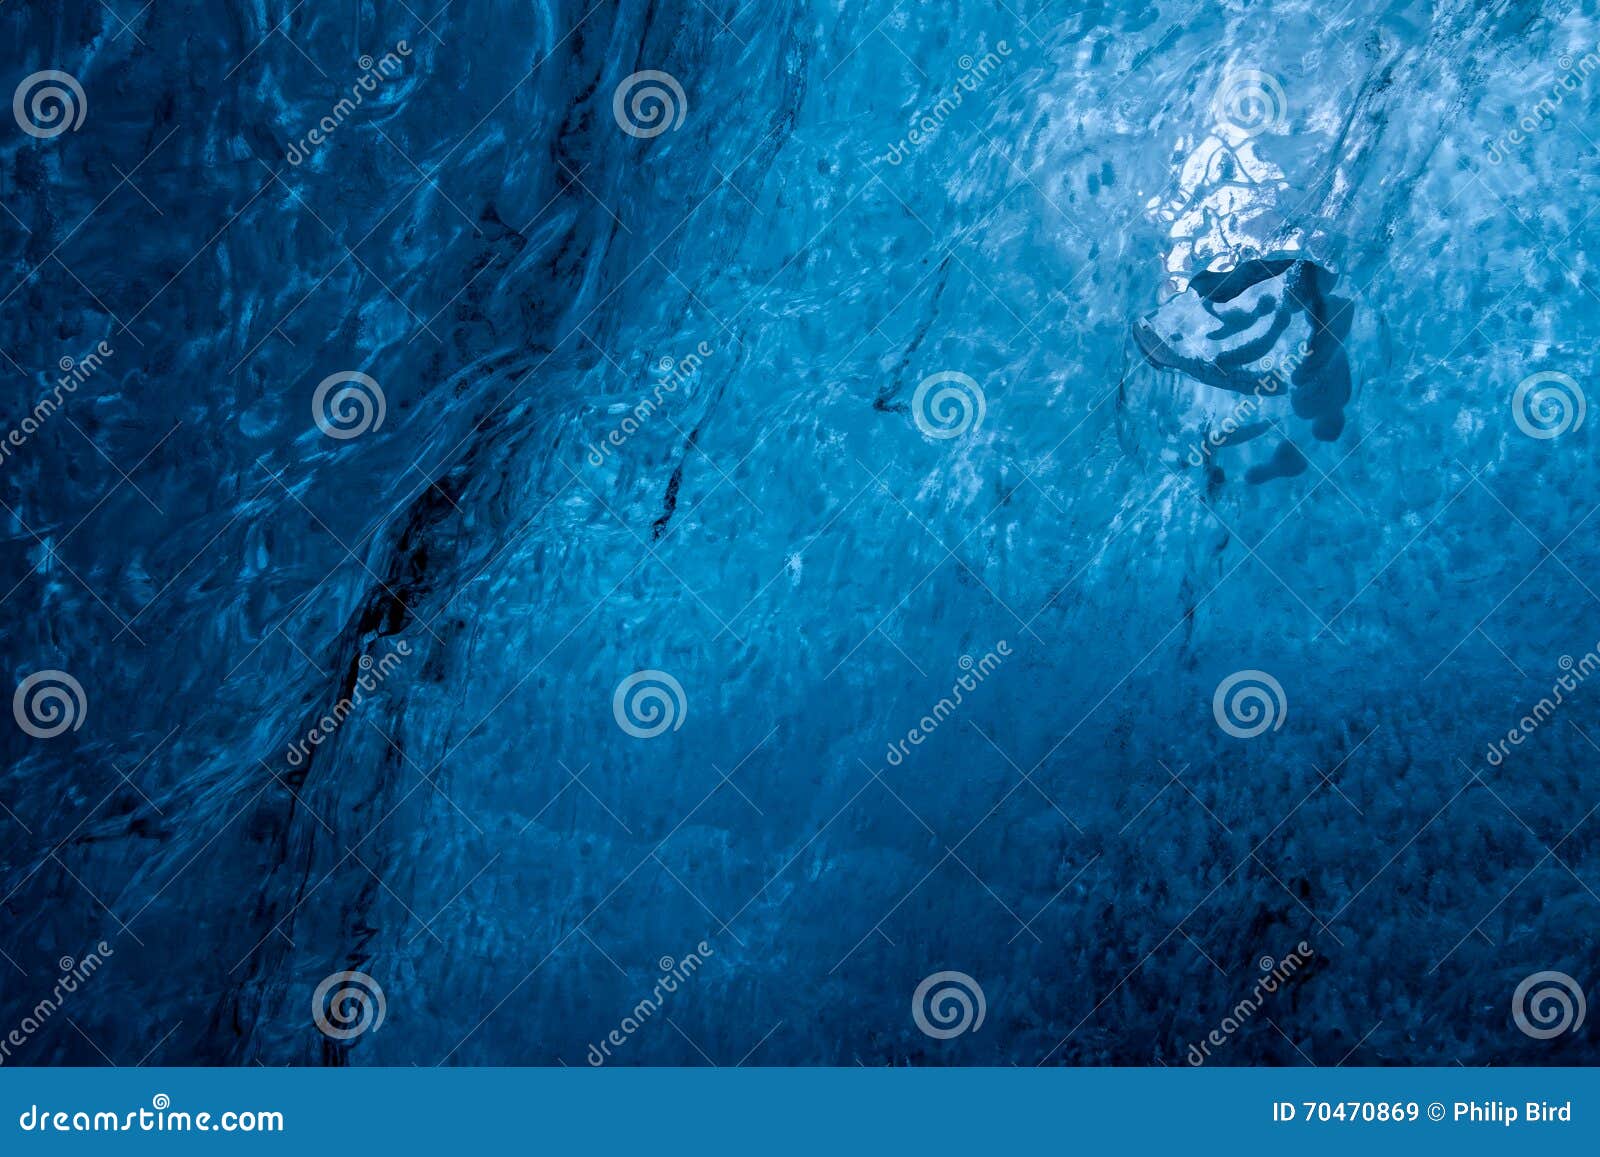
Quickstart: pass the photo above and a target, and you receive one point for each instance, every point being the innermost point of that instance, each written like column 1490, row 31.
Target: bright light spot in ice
column 1221, row 190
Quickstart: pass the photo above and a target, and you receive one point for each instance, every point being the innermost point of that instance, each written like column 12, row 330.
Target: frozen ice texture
column 564, row 491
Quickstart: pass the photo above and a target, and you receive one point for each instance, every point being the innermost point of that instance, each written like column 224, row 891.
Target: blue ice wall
column 434, row 373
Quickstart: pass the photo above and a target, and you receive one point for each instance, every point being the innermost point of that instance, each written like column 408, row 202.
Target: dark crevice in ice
column 885, row 402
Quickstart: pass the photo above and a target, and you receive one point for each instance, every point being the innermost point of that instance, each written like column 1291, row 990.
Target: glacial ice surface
column 783, row 537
